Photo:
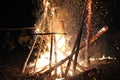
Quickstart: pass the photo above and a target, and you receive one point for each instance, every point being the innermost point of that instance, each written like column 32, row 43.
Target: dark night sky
column 113, row 7
column 16, row 13
column 115, row 10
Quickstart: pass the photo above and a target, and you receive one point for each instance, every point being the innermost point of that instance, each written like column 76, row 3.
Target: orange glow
column 60, row 49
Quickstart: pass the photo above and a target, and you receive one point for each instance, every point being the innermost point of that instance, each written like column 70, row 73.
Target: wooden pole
column 88, row 27
column 55, row 54
column 77, row 42
column 77, row 50
column 25, row 64
column 70, row 58
column 43, row 34
column 38, row 55
column 51, row 50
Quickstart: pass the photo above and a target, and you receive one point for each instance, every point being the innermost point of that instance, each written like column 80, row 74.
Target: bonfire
column 56, row 59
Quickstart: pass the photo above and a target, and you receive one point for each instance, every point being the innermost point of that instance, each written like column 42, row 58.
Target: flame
column 44, row 59
column 58, row 47
column 60, row 43
column 42, row 62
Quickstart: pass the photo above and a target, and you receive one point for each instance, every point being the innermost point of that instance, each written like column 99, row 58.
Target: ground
column 10, row 67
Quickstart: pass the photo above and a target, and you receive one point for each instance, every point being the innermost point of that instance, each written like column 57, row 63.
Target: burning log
column 88, row 27
column 99, row 33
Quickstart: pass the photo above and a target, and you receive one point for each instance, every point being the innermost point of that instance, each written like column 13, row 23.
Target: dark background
column 113, row 34
column 16, row 13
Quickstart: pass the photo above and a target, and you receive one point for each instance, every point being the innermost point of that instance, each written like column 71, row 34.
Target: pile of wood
column 48, row 72
column 69, row 58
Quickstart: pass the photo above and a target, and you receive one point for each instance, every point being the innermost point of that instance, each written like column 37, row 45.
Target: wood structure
column 94, row 38
column 51, row 68
column 75, row 51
